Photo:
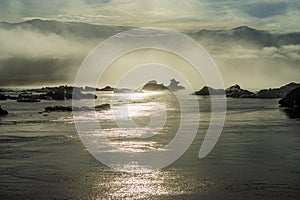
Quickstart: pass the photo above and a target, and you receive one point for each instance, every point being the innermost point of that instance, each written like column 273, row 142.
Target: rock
column 174, row 85
column 107, row 88
column 154, row 86
column 58, row 108
column 83, row 108
column 273, row 93
column 105, row 106
column 291, row 100
column 3, row 112
column 29, row 100
column 209, row 91
column 122, row 90
column 3, row 97
column 235, row 91
column 269, row 94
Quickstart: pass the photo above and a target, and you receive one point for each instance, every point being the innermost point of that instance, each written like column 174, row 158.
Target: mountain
column 66, row 29
column 245, row 34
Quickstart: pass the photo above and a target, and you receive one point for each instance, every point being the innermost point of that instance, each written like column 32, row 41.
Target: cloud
column 164, row 13
column 27, row 56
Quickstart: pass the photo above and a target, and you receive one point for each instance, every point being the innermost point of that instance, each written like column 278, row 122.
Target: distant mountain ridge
column 247, row 34
column 66, row 29
column 80, row 29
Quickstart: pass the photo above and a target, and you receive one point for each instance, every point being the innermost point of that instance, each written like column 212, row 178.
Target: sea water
column 256, row 156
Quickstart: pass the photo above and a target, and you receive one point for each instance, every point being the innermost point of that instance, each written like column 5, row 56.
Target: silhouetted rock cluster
column 210, row 91
column 154, row 86
column 174, row 85
column 236, row 91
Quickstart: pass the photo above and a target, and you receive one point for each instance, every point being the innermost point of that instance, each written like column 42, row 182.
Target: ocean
column 256, row 156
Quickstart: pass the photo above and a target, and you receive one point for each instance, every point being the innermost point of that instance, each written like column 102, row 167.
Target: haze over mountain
column 50, row 52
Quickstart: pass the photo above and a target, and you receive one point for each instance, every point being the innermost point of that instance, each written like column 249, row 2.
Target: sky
column 272, row 15
column 33, row 57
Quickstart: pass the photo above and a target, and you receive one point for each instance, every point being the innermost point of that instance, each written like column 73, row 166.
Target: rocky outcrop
column 3, row 112
column 154, row 86
column 70, row 108
column 209, row 91
column 274, row 93
column 174, row 85
column 107, row 88
column 292, row 99
column 235, row 91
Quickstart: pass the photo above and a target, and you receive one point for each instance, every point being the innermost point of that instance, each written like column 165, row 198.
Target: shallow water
column 256, row 157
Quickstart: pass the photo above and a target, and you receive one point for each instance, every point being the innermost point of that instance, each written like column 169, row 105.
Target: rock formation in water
column 235, row 91
column 210, row 91
column 174, row 85
column 274, row 93
column 154, row 86
column 107, row 88
column 292, row 99
column 70, row 108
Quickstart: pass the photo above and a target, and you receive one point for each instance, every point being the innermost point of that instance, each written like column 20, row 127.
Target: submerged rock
column 3, row 112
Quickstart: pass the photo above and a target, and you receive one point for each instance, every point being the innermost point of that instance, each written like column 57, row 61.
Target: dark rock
column 107, row 88
column 70, row 108
column 235, row 91
column 154, row 86
column 210, row 91
column 3, row 112
column 105, row 106
column 58, row 108
column 269, row 94
column 292, row 99
column 274, row 93
column 29, row 100
column 3, row 97
column 292, row 113
column 174, row 85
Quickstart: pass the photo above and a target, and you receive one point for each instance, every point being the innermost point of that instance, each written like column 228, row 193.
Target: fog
column 29, row 57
